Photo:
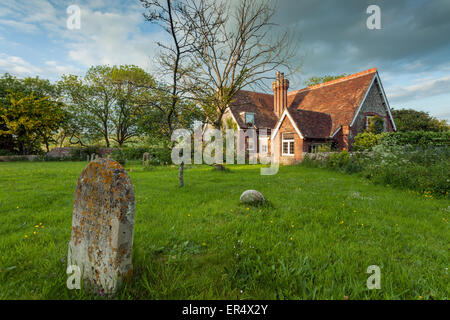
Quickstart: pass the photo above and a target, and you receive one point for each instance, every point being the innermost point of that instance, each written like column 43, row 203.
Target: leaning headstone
column 252, row 197
column 102, row 226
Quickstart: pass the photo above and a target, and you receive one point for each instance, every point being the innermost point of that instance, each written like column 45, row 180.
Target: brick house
column 300, row 121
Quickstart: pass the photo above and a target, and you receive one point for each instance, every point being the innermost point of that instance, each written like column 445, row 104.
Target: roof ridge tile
column 335, row 81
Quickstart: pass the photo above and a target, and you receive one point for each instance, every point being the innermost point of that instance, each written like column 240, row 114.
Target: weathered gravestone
column 145, row 158
column 102, row 226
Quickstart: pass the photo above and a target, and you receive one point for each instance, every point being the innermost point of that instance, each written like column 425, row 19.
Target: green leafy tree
column 108, row 102
column 318, row 80
column 32, row 120
column 413, row 120
column 30, row 113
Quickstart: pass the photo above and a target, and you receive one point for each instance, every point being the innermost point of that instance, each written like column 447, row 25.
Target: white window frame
column 290, row 142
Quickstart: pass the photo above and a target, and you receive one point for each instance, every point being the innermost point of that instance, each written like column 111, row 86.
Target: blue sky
column 411, row 51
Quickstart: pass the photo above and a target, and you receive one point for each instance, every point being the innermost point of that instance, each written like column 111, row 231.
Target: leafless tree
column 235, row 45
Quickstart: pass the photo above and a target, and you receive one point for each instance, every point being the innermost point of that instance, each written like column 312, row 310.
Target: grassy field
column 315, row 240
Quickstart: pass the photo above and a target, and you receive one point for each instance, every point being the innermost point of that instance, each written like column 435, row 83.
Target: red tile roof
column 260, row 104
column 312, row 124
column 318, row 110
column 339, row 98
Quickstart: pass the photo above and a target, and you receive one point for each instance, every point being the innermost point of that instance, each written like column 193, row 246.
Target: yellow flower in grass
column 36, row 226
column 35, row 233
column 342, row 222
column 292, row 226
column 26, row 236
column 291, row 238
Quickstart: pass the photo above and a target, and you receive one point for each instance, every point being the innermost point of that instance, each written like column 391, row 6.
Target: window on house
column 374, row 124
column 249, row 118
column 369, row 120
column 288, row 144
column 314, row 148
column 250, row 143
column 320, row 147
column 263, row 145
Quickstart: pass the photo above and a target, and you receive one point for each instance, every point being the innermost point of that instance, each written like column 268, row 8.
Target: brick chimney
column 280, row 88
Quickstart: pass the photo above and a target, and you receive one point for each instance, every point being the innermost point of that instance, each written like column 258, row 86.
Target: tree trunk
column 181, row 174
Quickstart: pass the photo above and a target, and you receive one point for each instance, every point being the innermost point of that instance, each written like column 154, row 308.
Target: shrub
column 417, row 138
column 339, row 160
column 425, row 169
column 5, row 152
column 366, row 141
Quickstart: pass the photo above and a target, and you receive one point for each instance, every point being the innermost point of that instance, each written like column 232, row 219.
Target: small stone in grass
column 253, row 197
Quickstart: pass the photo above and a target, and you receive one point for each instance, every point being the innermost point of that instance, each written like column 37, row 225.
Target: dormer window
column 249, row 118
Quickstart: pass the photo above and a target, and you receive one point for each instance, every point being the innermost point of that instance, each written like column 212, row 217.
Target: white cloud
column 421, row 89
column 19, row 26
column 111, row 32
column 111, row 38
column 59, row 69
column 17, row 66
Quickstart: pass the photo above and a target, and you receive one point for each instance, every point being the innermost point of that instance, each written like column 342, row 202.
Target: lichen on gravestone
column 102, row 226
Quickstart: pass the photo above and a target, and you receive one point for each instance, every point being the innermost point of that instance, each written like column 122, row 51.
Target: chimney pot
column 280, row 87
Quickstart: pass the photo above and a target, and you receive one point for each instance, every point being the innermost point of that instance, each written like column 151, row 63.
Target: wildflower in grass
column 292, row 226
column 26, row 236
column 36, row 226
column 189, row 214
column 248, row 208
column 291, row 238
column 271, row 221
column 35, row 233
column 342, row 222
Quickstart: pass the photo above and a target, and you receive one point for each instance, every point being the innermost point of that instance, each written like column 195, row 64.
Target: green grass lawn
column 315, row 240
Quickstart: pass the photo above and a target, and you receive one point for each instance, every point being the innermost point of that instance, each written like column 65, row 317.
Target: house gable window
column 249, row 118
column 374, row 124
column 287, row 144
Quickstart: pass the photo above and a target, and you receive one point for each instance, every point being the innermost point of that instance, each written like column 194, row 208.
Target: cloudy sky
column 411, row 50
